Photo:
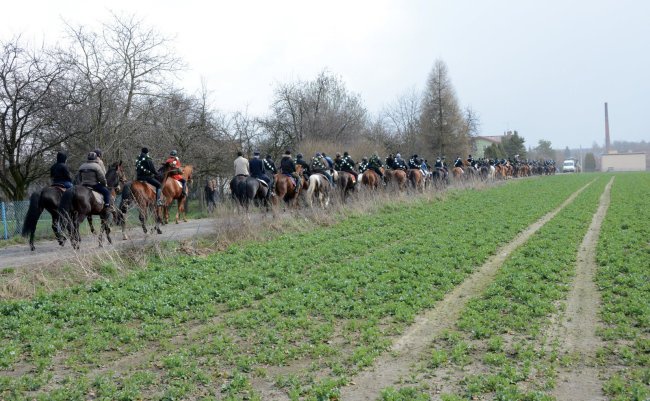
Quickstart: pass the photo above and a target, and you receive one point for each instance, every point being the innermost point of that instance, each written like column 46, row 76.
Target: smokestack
column 606, row 130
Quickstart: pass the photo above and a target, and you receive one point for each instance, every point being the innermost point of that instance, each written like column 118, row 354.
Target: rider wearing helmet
column 176, row 172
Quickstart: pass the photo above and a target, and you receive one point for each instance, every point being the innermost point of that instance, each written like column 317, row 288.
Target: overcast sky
column 543, row 68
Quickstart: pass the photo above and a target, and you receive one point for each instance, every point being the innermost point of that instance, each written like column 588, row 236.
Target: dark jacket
column 304, row 164
column 144, row 166
column 256, row 168
column 269, row 165
column 59, row 171
column 287, row 165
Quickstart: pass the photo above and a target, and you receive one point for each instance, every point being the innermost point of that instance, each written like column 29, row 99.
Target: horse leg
column 143, row 218
column 107, row 229
column 90, row 223
column 55, row 227
column 157, row 218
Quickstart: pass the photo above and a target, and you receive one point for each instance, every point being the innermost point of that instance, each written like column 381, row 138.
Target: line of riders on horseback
column 72, row 199
column 259, row 178
column 91, row 191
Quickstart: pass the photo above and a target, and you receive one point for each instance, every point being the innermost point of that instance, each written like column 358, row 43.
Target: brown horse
column 144, row 196
column 416, row 178
column 172, row 191
column 457, row 173
column 370, row 179
column 397, row 177
column 286, row 189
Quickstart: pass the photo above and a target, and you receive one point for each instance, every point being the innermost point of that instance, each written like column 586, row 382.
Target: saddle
column 99, row 198
column 59, row 187
column 262, row 182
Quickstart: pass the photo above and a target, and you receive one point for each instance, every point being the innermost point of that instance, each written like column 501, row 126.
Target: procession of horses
column 70, row 207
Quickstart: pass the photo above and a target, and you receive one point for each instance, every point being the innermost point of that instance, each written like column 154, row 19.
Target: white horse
column 319, row 188
column 492, row 172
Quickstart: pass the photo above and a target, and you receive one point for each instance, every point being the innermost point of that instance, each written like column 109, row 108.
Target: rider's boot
column 158, row 200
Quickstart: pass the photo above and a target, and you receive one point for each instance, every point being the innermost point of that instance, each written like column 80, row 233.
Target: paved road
column 49, row 251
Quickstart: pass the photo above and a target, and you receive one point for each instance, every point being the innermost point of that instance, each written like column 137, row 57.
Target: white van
column 569, row 166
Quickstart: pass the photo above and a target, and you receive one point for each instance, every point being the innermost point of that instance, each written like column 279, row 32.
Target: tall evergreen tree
column 444, row 129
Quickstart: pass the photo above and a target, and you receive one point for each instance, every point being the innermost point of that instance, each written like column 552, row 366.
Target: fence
column 12, row 214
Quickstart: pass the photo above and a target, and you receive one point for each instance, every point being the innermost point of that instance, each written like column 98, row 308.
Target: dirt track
column 48, row 252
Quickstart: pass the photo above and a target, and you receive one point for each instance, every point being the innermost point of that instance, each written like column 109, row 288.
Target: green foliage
column 495, row 151
column 544, row 150
column 274, row 302
column 623, row 276
column 513, row 145
column 590, row 162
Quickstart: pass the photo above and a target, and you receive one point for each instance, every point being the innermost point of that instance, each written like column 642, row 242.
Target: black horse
column 249, row 189
column 48, row 199
column 81, row 202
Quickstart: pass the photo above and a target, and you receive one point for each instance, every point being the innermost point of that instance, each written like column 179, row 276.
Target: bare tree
column 36, row 99
column 322, row 109
column 122, row 68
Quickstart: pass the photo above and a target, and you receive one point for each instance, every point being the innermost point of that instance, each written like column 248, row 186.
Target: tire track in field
column 577, row 330
column 407, row 349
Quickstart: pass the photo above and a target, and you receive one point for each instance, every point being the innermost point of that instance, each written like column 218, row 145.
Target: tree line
column 115, row 88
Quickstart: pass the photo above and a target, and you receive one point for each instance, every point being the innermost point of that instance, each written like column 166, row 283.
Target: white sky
column 543, row 68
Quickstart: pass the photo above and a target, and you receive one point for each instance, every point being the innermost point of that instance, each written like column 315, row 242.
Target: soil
column 577, row 329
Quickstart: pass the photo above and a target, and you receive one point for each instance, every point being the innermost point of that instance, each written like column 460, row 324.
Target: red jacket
column 175, row 163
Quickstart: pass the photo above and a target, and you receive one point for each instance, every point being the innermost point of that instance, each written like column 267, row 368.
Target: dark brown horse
column 48, row 199
column 82, row 202
column 286, row 189
column 249, row 189
column 346, row 183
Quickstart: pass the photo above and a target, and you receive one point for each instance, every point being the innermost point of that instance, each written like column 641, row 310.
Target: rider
column 269, row 164
column 59, row 172
column 439, row 165
column 399, row 163
column 288, row 167
column 319, row 165
column 363, row 166
column 304, row 164
column 414, row 162
column 458, row 162
column 175, row 164
column 470, row 160
column 347, row 164
column 338, row 161
column 91, row 175
column 146, row 171
column 330, row 162
column 258, row 170
column 390, row 161
column 375, row 165
column 99, row 154
column 241, row 165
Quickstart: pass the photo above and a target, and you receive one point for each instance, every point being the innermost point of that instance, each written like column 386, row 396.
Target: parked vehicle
column 570, row 166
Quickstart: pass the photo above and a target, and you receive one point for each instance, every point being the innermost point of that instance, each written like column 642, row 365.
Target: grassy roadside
column 357, row 282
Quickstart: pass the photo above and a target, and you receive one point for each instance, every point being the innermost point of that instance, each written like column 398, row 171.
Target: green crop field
column 300, row 315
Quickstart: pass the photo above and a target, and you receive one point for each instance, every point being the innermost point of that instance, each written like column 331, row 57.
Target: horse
column 80, row 202
column 173, row 191
column 144, row 196
column 286, row 189
column 439, row 177
column 48, row 199
column 457, row 173
column 416, row 179
column 346, row 182
column 319, row 188
column 370, row 179
column 247, row 189
column 397, row 177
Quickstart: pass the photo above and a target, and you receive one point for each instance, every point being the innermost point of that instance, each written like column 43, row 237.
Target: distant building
column 480, row 143
column 633, row 161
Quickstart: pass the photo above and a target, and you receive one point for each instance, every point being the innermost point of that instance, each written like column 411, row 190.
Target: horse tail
column 33, row 213
column 313, row 182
